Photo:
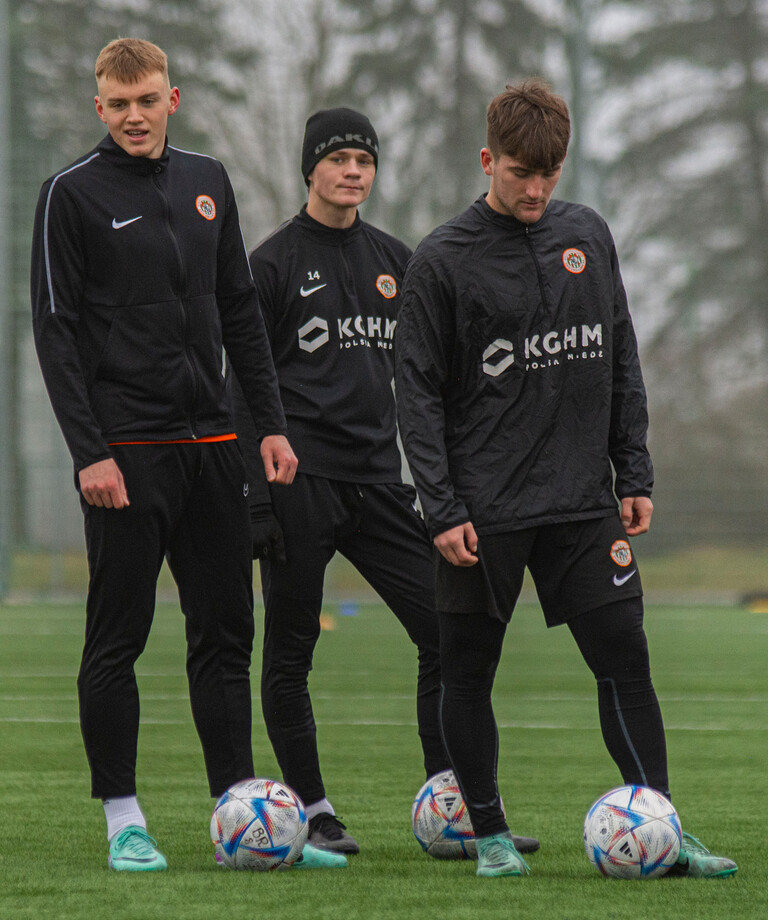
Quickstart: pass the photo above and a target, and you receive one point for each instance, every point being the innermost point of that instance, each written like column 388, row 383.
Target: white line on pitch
column 379, row 697
column 529, row 726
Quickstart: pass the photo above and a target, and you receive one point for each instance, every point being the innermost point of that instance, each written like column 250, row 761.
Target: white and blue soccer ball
column 440, row 819
column 258, row 824
column 632, row 832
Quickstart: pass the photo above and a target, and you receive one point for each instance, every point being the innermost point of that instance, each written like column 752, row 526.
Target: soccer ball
column 632, row 832
column 440, row 819
column 258, row 824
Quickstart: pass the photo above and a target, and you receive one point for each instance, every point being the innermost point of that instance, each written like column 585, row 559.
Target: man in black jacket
column 329, row 288
column 139, row 278
column 518, row 387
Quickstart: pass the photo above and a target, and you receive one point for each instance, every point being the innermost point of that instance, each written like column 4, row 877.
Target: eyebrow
column 152, row 95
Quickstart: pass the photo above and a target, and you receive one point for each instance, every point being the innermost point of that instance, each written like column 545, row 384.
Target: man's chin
column 530, row 215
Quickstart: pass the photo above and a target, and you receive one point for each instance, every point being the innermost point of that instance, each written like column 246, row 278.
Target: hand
column 102, row 485
column 267, row 535
column 636, row 515
column 458, row 545
column 280, row 462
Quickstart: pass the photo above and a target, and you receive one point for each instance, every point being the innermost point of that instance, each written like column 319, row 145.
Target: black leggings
column 377, row 529
column 613, row 643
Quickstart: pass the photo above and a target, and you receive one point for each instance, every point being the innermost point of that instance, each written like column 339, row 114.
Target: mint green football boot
column 133, row 850
column 695, row 861
column 315, row 858
column 497, row 855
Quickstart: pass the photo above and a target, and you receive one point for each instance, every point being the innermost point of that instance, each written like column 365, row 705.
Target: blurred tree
column 53, row 48
column 686, row 172
column 294, row 54
column 668, row 102
column 424, row 71
column 58, row 74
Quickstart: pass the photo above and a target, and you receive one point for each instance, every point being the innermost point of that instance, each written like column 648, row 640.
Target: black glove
column 267, row 535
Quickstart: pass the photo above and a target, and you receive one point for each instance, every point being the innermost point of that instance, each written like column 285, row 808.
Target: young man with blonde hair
column 519, row 393
column 139, row 280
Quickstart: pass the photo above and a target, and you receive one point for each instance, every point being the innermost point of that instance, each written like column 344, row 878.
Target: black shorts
column 576, row 567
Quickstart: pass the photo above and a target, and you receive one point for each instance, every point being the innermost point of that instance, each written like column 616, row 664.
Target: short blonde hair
column 127, row 60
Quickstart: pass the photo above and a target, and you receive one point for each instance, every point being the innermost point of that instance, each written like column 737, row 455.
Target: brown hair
column 530, row 123
column 127, row 60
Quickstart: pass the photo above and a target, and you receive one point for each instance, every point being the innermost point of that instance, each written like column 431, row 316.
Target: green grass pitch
column 710, row 671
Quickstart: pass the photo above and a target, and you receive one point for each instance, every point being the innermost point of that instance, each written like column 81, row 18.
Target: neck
column 329, row 215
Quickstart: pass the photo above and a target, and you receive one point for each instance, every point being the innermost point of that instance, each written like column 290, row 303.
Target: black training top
column 139, row 279
column 330, row 300
column 517, row 373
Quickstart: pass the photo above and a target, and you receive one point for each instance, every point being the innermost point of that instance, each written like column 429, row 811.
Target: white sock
column 319, row 808
column 123, row 812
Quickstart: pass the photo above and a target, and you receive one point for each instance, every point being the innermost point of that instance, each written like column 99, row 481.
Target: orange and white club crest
column 621, row 553
column 206, row 206
column 387, row 286
column 575, row 261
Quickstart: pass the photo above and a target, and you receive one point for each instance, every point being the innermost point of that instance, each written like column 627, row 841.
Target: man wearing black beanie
column 336, row 129
column 329, row 287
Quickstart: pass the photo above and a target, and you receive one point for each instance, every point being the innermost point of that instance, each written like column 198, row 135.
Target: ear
column 99, row 108
column 174, row 101
column 486, row 160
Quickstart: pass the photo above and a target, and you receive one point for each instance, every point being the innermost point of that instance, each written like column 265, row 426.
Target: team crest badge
column 621, row 553
column 575, row 261
column 387, row 286
column 205, row 206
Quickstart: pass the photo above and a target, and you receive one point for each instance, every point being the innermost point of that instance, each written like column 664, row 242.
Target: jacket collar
column 326, row 234
column 140, row 166
column 507, row 221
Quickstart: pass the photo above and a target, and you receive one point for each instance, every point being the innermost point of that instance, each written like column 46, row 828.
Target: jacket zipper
column 539, row 274
column 182, row 280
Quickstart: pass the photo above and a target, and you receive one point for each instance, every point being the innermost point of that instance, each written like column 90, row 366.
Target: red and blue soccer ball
column 258, row 824
column 632, row 832
column 440, row 819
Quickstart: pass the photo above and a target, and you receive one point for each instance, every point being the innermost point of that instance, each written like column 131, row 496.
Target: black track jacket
column 330, row 299
column 517, row 374
column 139, row 278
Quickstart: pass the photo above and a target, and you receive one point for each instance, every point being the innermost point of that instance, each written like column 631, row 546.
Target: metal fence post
column 5, row 308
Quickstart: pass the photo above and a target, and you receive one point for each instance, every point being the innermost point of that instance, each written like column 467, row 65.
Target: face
column 136, row 114
column 340, row 183
column 516, row 190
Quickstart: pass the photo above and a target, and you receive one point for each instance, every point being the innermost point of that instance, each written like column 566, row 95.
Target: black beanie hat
column 336, row 129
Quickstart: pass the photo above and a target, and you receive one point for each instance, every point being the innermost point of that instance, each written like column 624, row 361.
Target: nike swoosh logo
column 311, row 290
column 624, row 578
column 119, row 224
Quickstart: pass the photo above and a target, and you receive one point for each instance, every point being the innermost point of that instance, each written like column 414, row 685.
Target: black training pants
column 376, row 527
column 613, row 643
column 186, row 502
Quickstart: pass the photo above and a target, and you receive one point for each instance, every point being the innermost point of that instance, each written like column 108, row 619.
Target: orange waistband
column 209, row 440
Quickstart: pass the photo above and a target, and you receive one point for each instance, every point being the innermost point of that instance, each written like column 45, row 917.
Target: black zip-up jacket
column 139, row 279
column 330, row 299
column 517, row 375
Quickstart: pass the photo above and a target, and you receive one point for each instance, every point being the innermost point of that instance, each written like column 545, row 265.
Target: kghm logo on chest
column 569, row 340
column 548, row 349
column 353, row 332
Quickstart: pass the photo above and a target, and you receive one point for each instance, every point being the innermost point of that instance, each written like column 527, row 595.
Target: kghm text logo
column 352, row 331
column 549, row 349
